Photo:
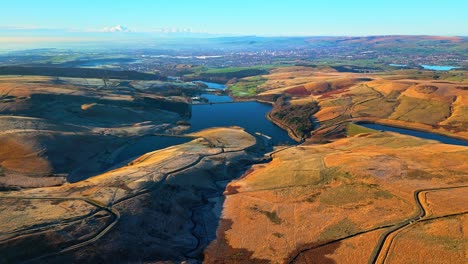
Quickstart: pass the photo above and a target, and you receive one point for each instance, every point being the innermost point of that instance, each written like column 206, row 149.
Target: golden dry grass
column 399, row 96
column 343, row 252
column 23, row 157
column 439, row 241
column 313, row 194
column 443, row 202
column 68, row 222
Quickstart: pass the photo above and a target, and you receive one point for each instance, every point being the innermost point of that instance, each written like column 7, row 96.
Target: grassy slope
column 354, row 129
column 246, row 86
column 319, row 193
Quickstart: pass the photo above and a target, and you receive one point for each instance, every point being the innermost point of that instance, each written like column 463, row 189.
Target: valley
column 291, row 162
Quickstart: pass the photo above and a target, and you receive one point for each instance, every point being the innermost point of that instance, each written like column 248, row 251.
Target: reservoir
column 101, row 62
column 220, row 112
column 213, row 98
column 419, row 134
column 438, row 67
column 249, row 115
column 213, row 85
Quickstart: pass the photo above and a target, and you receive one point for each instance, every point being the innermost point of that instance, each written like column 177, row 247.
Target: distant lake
column 397, row 65
column 438, row 67
column 419, row 134
column 101, row 62
column 214, row 85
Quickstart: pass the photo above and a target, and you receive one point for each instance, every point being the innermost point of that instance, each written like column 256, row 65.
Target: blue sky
column 241, row 17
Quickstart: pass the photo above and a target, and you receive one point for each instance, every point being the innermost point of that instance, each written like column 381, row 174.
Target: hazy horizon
column 78, row 21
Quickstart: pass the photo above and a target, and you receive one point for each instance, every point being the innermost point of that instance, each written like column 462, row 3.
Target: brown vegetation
column 146, row 210
column 57, row 128
column 333, row 202
column 297, row 117
column 391, row 98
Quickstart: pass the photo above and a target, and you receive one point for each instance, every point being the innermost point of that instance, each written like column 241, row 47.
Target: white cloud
column 118, row 28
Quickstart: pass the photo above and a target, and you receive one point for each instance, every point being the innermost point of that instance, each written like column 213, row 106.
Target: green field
column 353, row 129
column 247, row 86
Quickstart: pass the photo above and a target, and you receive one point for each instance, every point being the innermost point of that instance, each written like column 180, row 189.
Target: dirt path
column 388, row 239
column 102, row 207
column 383, row 247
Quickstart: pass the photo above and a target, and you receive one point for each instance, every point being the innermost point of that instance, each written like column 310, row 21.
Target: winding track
column 381, row 252
column 377, row 255
column 94, row 203
column 114, row 212
column 347, row 115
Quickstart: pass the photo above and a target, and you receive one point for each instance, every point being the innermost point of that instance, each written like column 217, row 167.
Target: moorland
column 99, row 161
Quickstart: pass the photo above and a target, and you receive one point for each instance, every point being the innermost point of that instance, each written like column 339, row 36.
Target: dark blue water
column 213, row 98
column 419, row 134
column 249, row 115
column 438, row 67
column 148, row 144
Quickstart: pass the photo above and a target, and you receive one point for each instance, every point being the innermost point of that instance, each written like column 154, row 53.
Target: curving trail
column 379, row 255
column 102, row 207
column 346, row 116
column 382, row 249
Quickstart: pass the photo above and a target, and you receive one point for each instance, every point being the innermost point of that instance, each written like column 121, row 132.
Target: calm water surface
column 213, row 98
column 438, row 67
column 419, row 134
column 249, row 115
column 214, row 85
